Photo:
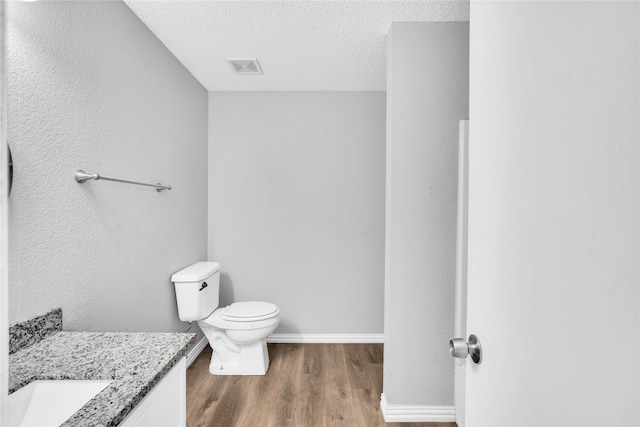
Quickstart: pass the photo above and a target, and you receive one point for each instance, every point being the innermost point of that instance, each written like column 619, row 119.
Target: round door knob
column 459, row 348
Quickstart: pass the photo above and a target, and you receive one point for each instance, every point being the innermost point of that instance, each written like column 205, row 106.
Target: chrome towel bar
column 81, row 176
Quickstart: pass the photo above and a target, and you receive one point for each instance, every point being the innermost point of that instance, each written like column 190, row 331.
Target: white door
column 553, row 214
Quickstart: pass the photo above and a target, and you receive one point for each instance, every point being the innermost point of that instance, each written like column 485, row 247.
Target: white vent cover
column 245, row 65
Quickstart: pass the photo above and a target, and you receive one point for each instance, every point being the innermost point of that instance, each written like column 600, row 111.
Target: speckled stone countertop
column 134, row 361
column 34, row 330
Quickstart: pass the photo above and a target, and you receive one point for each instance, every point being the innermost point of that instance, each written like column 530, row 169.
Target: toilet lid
column 250, row 311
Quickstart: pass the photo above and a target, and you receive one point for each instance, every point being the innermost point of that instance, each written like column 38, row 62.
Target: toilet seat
column 250, row 311
column 242, row 317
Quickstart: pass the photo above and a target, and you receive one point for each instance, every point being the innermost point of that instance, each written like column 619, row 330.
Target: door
column 553, row 214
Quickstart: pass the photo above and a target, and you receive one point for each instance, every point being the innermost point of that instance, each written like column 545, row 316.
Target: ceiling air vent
column 245, row 66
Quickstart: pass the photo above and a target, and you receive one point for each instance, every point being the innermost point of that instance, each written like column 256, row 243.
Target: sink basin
column 51, row 402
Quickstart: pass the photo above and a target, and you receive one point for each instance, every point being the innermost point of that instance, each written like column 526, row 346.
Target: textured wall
column 428, row 93
column 296, row 205
column 90, row 87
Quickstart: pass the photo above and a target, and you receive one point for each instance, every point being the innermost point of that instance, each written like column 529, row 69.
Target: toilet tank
column 197, row 290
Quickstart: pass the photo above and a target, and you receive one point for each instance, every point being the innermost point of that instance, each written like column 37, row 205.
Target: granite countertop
column 134, row 361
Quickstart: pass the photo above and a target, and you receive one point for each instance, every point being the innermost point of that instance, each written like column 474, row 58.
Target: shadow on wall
column 226, row 290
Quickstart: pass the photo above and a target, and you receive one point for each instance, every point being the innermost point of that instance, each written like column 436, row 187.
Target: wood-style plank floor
column 311, row 385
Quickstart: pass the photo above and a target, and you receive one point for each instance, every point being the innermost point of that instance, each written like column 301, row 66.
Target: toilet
column 237, row 333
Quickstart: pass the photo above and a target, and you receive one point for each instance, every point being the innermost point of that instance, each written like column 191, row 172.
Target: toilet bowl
column 239, row 340
column 237, row 332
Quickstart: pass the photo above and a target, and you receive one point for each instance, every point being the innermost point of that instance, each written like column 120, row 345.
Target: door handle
column 459, row 348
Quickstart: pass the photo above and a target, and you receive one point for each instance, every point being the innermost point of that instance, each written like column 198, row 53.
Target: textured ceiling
column 301, row 45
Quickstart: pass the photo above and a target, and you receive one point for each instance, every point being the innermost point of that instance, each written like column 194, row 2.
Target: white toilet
column 237, row 332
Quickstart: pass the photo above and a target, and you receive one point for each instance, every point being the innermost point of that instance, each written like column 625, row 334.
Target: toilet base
column 239, row 348
column 252, row 359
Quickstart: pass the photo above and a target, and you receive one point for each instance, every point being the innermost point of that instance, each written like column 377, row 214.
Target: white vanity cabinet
column 166, row 403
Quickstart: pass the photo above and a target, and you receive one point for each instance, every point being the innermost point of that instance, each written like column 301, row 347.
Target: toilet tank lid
column 196, row 272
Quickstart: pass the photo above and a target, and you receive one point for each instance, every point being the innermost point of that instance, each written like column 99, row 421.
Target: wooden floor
column 307, row 385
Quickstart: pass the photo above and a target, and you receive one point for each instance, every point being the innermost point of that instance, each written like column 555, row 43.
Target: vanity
column 127, row 379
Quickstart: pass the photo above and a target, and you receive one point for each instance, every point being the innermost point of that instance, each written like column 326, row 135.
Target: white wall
column 296, row 205
column 91, row 88
column 427, row 95
column 4, row 258
column 554, row 213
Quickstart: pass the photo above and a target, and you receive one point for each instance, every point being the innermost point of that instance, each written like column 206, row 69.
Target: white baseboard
column 196, row 350
column 416, row 413
column 326, row 338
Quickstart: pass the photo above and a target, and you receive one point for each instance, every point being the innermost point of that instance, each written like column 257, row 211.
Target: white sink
column 51, row 402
